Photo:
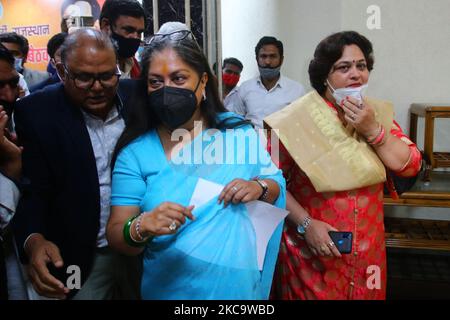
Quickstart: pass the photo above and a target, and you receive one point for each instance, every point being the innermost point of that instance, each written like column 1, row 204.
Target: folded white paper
column 205, row 191
column 265, row 219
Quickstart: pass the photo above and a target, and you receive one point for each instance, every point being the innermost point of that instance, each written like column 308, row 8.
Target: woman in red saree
column 335, row 148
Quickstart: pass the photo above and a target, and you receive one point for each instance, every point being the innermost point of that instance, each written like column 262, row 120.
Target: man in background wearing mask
column 18, row 46
column 54, row 53
column 231, row 73
column 270, row 92
column 124, row 22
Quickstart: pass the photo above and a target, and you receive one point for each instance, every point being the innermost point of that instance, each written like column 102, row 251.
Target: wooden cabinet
column 430, row 112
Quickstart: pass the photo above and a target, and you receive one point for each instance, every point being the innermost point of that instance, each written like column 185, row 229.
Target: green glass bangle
column 126, row 234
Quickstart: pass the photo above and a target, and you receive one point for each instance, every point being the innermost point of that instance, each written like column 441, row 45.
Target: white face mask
column 342, row 93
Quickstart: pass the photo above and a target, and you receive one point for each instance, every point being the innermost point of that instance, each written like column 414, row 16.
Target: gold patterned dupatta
column 333, row 157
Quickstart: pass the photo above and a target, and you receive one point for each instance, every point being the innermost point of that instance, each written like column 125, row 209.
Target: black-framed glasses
column 13, row 82
column 173, row 36
column 85, row 81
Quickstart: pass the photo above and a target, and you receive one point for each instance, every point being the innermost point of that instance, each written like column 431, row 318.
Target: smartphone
column 342, row 240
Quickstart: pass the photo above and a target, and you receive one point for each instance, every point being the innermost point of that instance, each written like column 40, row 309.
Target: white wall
column 412, row 61
column 412, row 49
column 244, row 22
column 304, row 24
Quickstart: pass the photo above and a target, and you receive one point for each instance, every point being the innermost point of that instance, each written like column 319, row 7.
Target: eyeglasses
column 174, row 36
column 13, row 82
column 85, row 81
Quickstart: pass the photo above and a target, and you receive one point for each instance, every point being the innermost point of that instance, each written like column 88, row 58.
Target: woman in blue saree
column 180, row 146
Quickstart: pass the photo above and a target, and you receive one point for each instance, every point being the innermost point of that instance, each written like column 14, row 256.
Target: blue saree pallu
column 213, row 256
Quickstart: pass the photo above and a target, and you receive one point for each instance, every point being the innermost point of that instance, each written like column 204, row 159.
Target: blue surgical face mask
column 18, row 64
column 342, row 93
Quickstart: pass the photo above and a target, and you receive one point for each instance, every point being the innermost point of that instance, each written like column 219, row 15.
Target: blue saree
column 214, row 256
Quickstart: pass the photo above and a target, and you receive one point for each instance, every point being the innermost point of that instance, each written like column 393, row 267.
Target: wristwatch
column 301, row 228
column 265, row 188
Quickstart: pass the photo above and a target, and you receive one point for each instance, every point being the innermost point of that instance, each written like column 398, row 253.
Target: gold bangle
column 407, row 161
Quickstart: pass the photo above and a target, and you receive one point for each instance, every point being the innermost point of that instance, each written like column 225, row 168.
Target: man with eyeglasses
column 10, row 170
column 69, row 131
column 54, row 52
column 124, row 22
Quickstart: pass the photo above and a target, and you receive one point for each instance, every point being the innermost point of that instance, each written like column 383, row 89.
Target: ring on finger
column 235, row 189
column 331, row 244
column 173, row 226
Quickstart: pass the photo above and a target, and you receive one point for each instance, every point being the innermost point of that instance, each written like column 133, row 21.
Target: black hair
column 141, row 117
column 330, row 50
column 5, row 55
column 112, row 9
column 72, row 41
column 93, row 3
column 12, row 37
column 234, row 62
column 264, row 41
column 55, row 42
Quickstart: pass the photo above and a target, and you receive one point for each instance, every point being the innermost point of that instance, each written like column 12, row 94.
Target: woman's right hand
column 319, row 241
column 165, row 219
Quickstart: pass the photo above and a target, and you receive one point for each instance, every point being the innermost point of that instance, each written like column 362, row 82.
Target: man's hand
column 42, row 252
column 10, row 154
